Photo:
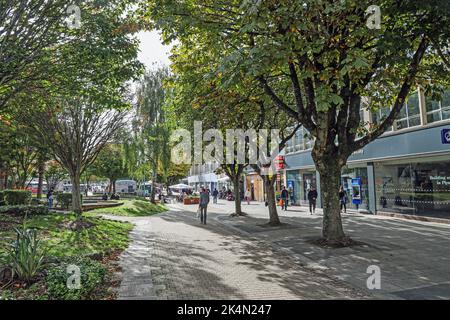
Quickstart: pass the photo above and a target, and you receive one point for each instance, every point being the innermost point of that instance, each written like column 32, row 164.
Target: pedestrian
column 248, row 196
column 204, row 200
column 284, row 198
column 343, row 199
column 215, row 195
column 50, row 198
column 312, row 197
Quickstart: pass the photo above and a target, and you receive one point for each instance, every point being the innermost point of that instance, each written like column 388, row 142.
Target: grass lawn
column 132, row 208
column 103, row 242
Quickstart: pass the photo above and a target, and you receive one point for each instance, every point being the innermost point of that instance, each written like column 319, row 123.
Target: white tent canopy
column 180, row 186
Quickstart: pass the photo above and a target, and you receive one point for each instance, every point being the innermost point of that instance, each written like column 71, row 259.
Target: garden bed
column 191, row 200
column 133, row 208
column 97, row 248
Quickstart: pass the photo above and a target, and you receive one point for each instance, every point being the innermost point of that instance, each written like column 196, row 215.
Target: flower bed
column 191, row 200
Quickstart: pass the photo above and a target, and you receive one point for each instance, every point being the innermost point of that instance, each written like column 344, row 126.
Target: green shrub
column 26, row 255
column 92, row 274
column 2, row 198
column 17, row 197
column 64, row 200
column 24, row 210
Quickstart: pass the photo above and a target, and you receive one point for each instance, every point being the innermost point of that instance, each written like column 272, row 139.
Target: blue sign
column 290, row 184
column 445, row 136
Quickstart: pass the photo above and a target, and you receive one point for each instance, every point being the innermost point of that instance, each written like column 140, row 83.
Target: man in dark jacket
column 204, row 200
column 284, row 198
column 312, row 197
column 215, row 195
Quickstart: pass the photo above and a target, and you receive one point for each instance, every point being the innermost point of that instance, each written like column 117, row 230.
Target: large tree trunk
column 274, row 219
column 113, row 186
column 2, row 179
column 76, row 195
column 330, row 179
column 41, row 169
column 153, row 191
column 237, row 196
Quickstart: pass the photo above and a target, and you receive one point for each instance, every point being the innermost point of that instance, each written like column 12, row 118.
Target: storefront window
column 414, row 188
column 410, row 113
column 308, row 181
column 438, row 110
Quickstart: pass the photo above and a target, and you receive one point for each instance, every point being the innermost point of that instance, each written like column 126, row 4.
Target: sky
column 152, row 51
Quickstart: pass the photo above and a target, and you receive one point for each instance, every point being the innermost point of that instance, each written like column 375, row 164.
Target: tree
column 71, row 109
column 328, row 56
column 176, row 173
column 54, row 174
column 27, row 28
column 151, row 118
column 198, row 94
column 110, row 164
column 75, row 134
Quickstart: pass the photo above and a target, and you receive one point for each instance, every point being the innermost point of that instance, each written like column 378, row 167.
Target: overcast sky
column 152, row 51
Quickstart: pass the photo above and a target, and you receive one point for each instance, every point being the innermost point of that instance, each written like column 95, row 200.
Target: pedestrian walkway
column 173, row 256
column 413, row 256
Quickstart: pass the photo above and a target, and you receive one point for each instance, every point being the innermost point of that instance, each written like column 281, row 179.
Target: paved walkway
column 172, row 256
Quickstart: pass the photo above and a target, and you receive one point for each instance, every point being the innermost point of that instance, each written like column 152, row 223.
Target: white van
column 126, row 186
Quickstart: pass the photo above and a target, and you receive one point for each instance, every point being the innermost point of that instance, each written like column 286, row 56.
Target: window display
column 414, row 188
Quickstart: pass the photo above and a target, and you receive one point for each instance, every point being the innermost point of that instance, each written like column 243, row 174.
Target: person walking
column 284, row 198
column 215, row 195
column 312, row 197
column 50, row 198
column 204, row 200
column 248, row 196
column 343, row 199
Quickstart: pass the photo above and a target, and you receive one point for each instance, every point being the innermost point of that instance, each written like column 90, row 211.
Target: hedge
column 64, row 200
column 17, row 197
column 91, row 272
column 24, row 209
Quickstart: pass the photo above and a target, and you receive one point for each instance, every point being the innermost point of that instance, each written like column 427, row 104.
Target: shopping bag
column 198, row 213
column 280, row 203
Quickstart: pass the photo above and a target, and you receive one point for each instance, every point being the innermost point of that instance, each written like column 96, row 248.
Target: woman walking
column 248, row 196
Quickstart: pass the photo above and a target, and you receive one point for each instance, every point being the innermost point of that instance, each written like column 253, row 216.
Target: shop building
column 406, row 171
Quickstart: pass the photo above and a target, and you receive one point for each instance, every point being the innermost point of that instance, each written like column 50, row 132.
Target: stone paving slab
column 173, row 256
column 412, row 255
column 189, row 261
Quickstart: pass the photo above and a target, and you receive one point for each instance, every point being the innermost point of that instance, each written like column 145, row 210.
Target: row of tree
column 285, row 64
column 63, row 90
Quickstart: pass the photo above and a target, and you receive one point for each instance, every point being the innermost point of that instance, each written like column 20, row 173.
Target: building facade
column 406, row 170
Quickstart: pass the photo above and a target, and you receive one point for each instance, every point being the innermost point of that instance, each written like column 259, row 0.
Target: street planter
column 191, row 200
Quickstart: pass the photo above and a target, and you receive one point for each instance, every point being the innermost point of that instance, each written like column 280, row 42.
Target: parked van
column 126, row 186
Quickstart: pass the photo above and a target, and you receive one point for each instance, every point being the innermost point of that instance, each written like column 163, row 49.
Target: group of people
column 114, row 196
column 312, row 198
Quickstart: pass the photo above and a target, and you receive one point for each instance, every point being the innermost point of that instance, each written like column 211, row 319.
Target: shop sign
column 280, row 163
column 441, row 180
column 445, row 136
